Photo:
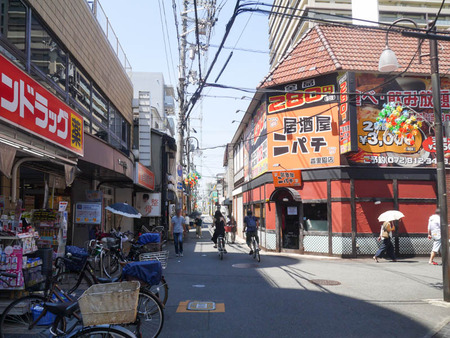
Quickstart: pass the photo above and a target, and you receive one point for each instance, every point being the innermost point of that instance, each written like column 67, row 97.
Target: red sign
column 287, row 178
column 144, row 177
column 29, row 106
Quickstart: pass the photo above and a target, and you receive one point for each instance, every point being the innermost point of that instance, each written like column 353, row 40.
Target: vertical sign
column 348, row 138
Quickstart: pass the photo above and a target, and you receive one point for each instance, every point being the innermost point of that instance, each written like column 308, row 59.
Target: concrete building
column 286, row 27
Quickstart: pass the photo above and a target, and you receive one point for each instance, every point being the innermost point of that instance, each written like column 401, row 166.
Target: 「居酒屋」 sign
column 24, row 103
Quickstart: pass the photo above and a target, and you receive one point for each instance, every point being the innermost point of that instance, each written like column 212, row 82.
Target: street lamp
column 388, row 63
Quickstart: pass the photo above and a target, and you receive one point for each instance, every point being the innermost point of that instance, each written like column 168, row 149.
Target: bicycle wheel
column 18, row 318
column 161, row 290
column 73, row 283
column 103, row 331
column 254, row 247
column 151, row 315
column 111, row 264
column 258, row 257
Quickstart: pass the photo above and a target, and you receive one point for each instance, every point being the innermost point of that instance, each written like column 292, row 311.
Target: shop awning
column 286, row 195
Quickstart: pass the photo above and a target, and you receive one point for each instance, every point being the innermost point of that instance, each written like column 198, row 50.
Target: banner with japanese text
column 382, row 143
column 304, row 138
column 27, row 105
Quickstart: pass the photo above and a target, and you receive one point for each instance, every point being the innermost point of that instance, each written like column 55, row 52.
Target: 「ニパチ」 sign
column 287, row 178
column 24, row 103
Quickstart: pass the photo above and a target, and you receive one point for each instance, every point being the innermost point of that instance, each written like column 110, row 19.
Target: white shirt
column 434, row 226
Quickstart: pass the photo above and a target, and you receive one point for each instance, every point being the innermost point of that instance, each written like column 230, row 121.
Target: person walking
column 198, row 226
column 231, row 229
column 178, row 226
column 434, row 233
column 386, row 245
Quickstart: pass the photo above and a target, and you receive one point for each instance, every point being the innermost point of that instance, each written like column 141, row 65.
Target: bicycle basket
column 80, row 255
column 161, row 256
column 148, row 272
column 113, row 303
column 109, row 242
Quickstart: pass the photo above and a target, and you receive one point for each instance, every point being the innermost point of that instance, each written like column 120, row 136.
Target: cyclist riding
column 251, row 227
column 219, row 223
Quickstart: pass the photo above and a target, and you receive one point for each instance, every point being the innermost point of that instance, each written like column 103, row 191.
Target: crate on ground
column 113, row 303
column 161, row 256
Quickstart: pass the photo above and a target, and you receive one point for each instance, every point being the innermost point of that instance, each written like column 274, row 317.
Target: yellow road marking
column 182, row 308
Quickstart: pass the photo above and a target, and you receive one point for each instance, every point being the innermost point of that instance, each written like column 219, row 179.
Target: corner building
column 310, row 160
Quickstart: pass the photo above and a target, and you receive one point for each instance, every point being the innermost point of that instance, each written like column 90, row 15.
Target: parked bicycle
column 28, row 314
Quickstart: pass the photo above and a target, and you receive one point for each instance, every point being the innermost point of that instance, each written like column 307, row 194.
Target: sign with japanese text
column 306, row 93
column 382, row 147
column 348, row 141
column 304, row 138
column 287, row 178
column 27, row 105
column 149, row 204
column 88, row 213
column 144, row 177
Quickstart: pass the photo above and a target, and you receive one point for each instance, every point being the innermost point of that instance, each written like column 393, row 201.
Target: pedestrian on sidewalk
column 386, row 245
column 434, row 233
column 178, row 226
column 198, row 226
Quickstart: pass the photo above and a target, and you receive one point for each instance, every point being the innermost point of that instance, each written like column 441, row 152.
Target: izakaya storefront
column 320, row 167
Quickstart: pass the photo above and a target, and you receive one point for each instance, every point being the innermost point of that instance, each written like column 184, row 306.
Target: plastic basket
column 161, row 256
column 113, row 303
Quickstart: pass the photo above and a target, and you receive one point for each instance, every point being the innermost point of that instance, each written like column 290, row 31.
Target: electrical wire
column 166, row 34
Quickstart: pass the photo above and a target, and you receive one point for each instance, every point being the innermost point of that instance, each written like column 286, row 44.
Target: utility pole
column 202, row 29
column 181, row 104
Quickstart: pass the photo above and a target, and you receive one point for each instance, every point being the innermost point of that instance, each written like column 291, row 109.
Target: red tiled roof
column 329, row 48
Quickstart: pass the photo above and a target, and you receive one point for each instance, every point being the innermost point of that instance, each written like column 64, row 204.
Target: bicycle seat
column 62, row 309
column 104, row 280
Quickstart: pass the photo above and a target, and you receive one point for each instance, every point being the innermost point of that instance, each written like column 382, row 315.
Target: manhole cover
column 324, row 282
column 245, row 265
column 201, row 306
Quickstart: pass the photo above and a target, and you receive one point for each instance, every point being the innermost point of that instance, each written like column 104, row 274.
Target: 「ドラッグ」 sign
column 25, row 104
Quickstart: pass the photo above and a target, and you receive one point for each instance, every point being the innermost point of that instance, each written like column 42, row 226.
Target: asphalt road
column 300, row 296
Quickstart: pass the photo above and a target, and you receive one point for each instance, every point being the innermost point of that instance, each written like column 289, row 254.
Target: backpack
column 251, row 223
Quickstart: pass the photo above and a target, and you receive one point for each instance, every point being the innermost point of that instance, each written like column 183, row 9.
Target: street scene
column 233, row 168
column 296, row 296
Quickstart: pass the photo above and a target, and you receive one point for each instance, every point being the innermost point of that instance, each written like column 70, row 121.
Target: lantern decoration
column 398, row 120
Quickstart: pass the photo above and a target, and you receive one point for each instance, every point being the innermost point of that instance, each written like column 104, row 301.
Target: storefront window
column 315, row 216
column 120, row 129
column 13, row 17
column 46, row 54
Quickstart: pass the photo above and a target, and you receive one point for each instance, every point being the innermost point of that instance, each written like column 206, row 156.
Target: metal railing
column 103, row 21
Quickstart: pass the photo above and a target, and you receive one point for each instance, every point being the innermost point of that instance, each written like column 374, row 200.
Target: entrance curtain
column 7, row 155
column 70, row 171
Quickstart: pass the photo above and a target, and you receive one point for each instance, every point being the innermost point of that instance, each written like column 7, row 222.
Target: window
column 99, row 107
column 79, row 86
column 46, row 54
column 13, row 17
column 315, row 216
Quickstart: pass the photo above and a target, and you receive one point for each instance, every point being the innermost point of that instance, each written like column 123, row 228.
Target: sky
column 140, row 26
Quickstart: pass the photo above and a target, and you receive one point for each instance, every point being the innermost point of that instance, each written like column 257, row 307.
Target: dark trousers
column 216, row 234
column 178, row 241
column 386, row 246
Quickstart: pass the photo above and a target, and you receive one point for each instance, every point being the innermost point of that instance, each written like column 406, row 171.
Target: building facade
column 315, row 164
column 65, row 99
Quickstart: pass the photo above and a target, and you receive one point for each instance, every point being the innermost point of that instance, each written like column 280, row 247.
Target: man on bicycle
column 251, row 226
